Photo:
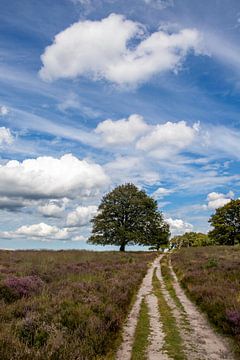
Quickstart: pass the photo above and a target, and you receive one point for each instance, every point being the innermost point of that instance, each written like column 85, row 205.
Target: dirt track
column 200, row 342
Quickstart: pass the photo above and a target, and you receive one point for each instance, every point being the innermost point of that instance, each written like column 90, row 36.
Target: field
column 66, row 304
column 211, row 277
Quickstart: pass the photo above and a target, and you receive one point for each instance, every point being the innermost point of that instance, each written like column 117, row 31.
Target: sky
column 97, row 93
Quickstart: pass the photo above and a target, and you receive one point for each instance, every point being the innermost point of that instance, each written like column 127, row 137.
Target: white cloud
column 3, row 110
column 160, row 4
column 81, row 215
column 6, row 137
column 161, row 193
column 216, row 200
column 102, row 50
column 121, row 132
column 178, row 226
column 51, row 178
column 43, row 230
column 168, row 139
column 53, row 208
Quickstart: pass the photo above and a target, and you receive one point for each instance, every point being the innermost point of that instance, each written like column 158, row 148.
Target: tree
column 191, row 239
column 226, row 224
column 127, row 215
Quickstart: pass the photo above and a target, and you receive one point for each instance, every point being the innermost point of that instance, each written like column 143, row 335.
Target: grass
column 66, row 304
column 211, row 277
column 141, row 334
column 173, row 341
column 168, row 280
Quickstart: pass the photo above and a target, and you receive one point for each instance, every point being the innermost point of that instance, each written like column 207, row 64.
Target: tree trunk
column 122, row 247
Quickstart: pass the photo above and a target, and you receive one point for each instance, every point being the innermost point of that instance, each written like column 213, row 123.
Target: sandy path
column 156, row 336
column 190, row 346
column 200, row 340
column 210, row 346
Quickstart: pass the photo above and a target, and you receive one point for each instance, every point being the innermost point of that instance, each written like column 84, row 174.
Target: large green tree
column 128, row 216
column 226, row 224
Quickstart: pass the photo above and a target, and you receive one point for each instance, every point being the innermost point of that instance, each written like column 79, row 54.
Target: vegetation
column 173, row 341
column 65, row 304
column 226, row 224
column 128, row 215
column 139, row 350
column 211, row 277
column 191, row 239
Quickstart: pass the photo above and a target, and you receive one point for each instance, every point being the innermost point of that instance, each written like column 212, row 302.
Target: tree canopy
column 226, row 224
column 191, row 239
column 128, row 216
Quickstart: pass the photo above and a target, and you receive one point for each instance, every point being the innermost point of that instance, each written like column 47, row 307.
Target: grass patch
column 168, row 280
column 173, row 341
column 141, row 335
column 211, row 277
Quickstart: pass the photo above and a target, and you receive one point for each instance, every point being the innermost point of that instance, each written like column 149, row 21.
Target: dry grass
column 65, row 304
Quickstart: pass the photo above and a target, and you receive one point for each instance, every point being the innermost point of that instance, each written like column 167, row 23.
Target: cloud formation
column 51, row 178
column 117, row 50
column 123, row 131
column 178, row 226
column 81, row 215
column 161, row 192
column 3, row 110
column 6, row 137
column 53, row 208
column 168, row 139
column 216, row 200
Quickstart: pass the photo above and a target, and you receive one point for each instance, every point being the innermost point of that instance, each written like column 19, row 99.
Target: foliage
column 66, row 304
column 128, row 215
column 211, row 277
column 191, row 239
column 226, row 224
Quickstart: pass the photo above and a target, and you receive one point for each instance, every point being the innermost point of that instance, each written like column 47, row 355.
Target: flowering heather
column 18, row 287
column 65, row 304
column 211, row 276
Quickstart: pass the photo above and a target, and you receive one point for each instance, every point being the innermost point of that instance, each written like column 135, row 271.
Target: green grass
column 173, row 341
column 141, row 335
column 168, row 280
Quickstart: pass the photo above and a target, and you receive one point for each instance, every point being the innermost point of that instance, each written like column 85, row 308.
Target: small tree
column 127, row 215
column 226, row 224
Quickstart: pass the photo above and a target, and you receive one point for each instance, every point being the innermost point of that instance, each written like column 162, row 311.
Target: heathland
column 65, row 304
column 109, row 305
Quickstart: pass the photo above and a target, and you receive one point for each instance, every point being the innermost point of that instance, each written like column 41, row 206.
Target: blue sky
column 96, row 93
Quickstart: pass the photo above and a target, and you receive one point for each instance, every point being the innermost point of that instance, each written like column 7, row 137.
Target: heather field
column 211, row 277
column 66, row 304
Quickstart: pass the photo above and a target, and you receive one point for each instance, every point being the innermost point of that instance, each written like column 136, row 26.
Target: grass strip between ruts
column 141, row 334
column 173, row 341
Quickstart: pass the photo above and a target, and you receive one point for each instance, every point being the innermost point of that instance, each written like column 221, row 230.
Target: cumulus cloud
column 216, row 200
column 3, row 110
column 81, row 215
column 6, row 137
column 178, row 226
column 43, row 230
column 168, row 139
column 105, row 49
column 53, row 208
column 123, row 131
column 161, row 193
column 51, row 178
